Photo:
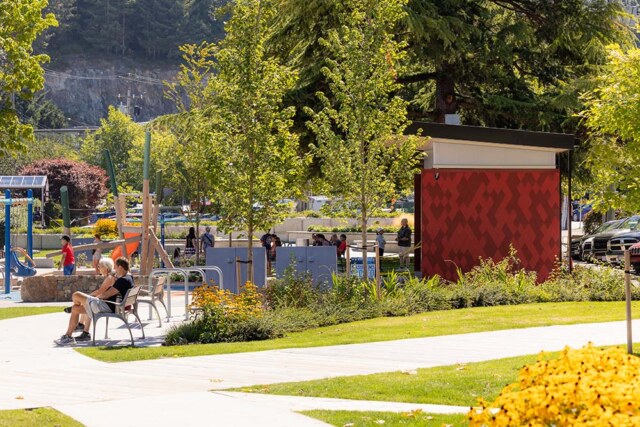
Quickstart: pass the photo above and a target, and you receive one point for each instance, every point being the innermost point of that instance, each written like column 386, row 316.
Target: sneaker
column 84, row 336
column 68, row 309
column 79, row 327
column 65, row 340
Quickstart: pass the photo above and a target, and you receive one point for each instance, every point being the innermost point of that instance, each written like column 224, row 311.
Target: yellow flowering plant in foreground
column 586, row 387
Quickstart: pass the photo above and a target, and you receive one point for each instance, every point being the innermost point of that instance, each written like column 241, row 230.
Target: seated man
column 82, row 302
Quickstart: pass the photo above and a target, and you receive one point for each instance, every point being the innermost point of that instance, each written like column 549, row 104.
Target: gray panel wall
column 225, row 259
column 320, row 261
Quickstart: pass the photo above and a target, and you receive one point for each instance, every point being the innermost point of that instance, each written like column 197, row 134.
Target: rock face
column 56, row 288
column 84, row 88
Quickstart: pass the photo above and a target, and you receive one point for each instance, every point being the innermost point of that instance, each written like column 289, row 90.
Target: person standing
column 68, row 261
column 96, row 253
column 404, row 242
column 207, row 240
column 380, row 241
column 190, row 244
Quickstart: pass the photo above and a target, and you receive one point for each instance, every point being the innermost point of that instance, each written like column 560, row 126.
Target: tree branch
column 415, row 78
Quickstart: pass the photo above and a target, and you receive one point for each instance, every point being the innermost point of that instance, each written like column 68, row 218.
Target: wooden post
column 376, row 248
column 146, row 208
column 627, row 293
column 347, row 256
column 119, row 203
column 238, row 273
column 230, row 244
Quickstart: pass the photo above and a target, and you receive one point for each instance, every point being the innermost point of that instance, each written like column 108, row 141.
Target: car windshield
column 631, row 223
column 611, row 225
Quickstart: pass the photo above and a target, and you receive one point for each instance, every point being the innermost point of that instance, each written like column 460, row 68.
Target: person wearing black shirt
column 83, row 302
column 404, row 241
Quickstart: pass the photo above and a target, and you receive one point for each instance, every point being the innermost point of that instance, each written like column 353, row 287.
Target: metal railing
column 184, row 272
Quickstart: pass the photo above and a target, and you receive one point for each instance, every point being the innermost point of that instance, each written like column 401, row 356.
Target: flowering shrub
column 106, row 228
column 247, row 303
column 587, row 387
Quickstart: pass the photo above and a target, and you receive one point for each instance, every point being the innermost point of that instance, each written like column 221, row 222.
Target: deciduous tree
column 255, row 153
column 358, row 142
column 21, row 74
column 613, row 118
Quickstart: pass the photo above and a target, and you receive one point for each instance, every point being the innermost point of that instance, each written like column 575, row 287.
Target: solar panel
column 23, row 182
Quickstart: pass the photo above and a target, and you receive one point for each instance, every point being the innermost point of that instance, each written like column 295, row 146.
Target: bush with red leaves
column 86, row 183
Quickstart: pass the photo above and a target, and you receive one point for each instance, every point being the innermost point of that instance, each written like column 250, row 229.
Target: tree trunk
column 446, row 101
column 365, row 266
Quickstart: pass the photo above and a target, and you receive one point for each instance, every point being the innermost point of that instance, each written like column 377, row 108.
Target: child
column 97, row 253
column 380, row 240
column 68, row 261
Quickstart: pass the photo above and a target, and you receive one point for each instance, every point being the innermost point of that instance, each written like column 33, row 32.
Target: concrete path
column 34, row 373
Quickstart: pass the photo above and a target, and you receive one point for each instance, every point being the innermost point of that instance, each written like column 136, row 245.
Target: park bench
column 128, row 305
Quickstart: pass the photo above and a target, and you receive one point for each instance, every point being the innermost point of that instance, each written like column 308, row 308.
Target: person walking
column 68, row 261
column 404, row 242
column 207, row 240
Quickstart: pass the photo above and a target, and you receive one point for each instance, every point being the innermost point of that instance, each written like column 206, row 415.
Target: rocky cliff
column 84, row 87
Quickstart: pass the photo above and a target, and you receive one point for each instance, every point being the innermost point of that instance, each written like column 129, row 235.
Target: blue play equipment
column 19, row 269
column 12, row 263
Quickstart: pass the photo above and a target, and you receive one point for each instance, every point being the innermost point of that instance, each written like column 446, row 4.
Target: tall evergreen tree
column 507, row 63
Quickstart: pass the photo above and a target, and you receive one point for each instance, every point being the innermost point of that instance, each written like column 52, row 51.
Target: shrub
column 106, row 228
column 292, row 290
column 86, row 184
column 582, row 387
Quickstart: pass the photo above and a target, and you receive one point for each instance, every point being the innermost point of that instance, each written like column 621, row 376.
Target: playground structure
column 142, row 236
column 11, row 261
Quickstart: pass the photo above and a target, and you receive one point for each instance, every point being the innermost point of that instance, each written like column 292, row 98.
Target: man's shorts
column 97, row 305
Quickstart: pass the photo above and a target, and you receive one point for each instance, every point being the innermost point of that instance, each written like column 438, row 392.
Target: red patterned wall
column 468, row 214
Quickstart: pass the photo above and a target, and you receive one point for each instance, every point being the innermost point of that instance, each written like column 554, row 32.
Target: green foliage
column 612, row 119
column 153, row 28
column 86, row 183
column 21, row 74
column 253, row 161
column 363, row 160
column 293, row 303
column 118, row 134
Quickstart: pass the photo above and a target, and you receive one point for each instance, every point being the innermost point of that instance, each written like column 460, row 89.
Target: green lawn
column 458, row 385
column 36, row 417
column 11, row 312
column 388, row 419
column 434, row 323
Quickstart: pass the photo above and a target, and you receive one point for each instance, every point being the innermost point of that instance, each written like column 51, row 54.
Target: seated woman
column 107, row 270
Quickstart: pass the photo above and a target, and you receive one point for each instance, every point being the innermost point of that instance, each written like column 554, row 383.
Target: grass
column 36, row 417
column 11, row 312
column 429, row 324
column 388, row 419
column 458, row 385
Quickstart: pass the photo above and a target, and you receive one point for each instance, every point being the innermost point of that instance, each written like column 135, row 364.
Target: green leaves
column 612, row 115
column 21, row 21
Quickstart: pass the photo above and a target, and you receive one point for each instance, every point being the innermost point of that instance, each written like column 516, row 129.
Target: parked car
column 618, row 244
column 580, row 211
column 634, row 251
column 582, row 244
column 600, row 241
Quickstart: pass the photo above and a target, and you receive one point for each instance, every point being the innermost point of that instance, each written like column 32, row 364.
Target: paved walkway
column 169, row 392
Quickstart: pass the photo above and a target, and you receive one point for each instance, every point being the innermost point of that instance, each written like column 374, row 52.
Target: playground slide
column 20, row 269
column 131, row 247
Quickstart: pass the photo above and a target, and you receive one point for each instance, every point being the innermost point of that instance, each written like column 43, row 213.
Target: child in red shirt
column 67, row 263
